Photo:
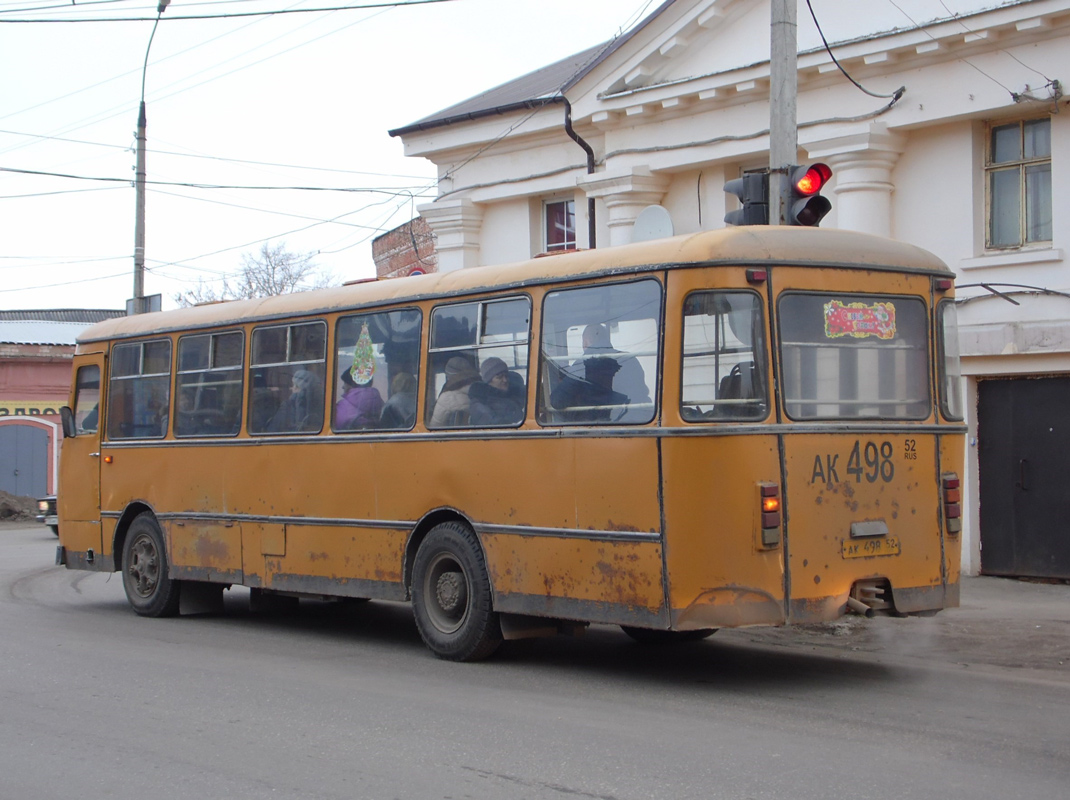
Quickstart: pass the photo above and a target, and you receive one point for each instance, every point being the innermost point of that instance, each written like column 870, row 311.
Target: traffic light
column 753, row 193
column 805, row 205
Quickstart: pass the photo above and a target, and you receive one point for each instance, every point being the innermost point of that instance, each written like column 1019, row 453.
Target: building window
column 1018, row 177
column 560, row 225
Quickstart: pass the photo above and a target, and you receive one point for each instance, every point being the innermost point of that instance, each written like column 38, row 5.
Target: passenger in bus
column 630, row 379
column 499, row 398
column 601, row 386
column 399, row 412
column 452, row 406
column 303, row 410
column 360, row 406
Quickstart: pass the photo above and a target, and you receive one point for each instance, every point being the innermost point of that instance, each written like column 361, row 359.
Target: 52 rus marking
column 869, row 460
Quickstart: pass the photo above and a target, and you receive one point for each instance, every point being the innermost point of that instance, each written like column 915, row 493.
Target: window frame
column 475, row 347
column 659, row 356
column 570, row 210
column 287, row 363
column 240, row 368
column 82, row 385
column 1020, row 165
column 953, row 408
column 870, row 297
column 112, row 379
column 766, row 378
column 337, row 374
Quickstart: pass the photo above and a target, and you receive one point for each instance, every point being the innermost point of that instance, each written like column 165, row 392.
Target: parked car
column 46, row 513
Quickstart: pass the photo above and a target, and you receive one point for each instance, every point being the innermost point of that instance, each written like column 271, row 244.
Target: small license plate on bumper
column 870, row 548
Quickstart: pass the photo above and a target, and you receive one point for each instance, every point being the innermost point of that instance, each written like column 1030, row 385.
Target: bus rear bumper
column 908, row 600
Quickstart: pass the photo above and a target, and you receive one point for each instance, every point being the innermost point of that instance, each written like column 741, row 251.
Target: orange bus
column 749, row 426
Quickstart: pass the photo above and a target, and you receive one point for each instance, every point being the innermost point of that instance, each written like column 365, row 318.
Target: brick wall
column 395, row 256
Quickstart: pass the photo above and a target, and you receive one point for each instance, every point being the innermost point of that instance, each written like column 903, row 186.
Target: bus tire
column 148, row 588
column 657, row 636
column 451, row 595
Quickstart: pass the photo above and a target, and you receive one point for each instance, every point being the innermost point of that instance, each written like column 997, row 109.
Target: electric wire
column 232, row 15
column 192, row 185
column 955, row 16
column 896, row 94
column 406, row 197
column 964, row 60
column 153, row 151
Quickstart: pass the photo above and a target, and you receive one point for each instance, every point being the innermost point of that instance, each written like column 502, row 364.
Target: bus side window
column 599, row 354
column 139, row 394
column 287, row 378
column 479, row 364
column 87, row 399
column 209, row 385
column 377, row 358
column 724, row 357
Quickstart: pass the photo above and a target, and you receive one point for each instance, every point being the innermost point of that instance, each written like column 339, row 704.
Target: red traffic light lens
column 816, row 176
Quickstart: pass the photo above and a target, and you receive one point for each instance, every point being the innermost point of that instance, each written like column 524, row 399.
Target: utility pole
column 783, row 87
column 139, row 304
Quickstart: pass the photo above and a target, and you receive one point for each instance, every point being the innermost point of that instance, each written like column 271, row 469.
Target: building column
column 624, row 194
column 862, row 166
column 457, row 225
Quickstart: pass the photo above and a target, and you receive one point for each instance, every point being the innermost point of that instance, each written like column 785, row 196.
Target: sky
column 301, row 102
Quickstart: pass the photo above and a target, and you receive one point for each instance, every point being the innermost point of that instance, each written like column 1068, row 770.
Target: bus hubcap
column 144, row 566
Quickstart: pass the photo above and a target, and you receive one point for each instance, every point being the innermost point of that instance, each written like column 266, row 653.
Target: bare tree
column 274, row 270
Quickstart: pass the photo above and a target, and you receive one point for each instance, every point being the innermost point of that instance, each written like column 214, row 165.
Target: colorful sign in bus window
column 859, row 320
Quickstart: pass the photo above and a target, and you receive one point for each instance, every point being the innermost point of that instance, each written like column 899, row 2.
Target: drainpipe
column 590, row 169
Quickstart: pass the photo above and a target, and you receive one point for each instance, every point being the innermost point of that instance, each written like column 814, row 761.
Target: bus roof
column 735, row 246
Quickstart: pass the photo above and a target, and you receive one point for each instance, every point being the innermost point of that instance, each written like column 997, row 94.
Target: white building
column 966, row 163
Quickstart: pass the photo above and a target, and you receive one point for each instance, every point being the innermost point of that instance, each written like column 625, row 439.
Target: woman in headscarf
column 451, row 409
column 499, row 398
column 359, row 407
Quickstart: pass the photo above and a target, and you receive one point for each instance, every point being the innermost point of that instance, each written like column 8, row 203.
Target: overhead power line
column 894, row 95
column 234, row 15
column 393, row 192
column 215, row 158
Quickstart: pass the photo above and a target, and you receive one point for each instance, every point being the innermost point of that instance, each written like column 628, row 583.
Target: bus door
column 78, row 495
column 859, row 444
column 720, row 457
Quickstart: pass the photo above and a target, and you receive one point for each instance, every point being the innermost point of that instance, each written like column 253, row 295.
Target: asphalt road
column 341, row 701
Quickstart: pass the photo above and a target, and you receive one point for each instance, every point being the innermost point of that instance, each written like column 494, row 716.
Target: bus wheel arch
column 452, row 598
column 122, row 527
column 426, row 524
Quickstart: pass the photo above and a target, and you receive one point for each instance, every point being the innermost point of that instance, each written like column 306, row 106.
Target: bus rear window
column 854, row 356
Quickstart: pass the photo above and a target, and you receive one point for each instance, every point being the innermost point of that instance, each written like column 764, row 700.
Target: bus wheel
column 653, row 636
column 451, row 597
column 148, row 588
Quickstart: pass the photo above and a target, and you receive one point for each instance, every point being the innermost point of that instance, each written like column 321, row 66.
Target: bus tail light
column 952, row 496
column 769, row 510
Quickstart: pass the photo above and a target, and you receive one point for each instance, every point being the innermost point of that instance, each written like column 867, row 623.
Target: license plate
column 869, row 548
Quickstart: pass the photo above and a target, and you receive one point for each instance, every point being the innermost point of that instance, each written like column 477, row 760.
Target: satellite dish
column 653, row 222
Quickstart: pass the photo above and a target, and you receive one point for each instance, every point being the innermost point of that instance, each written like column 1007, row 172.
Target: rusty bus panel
column 718, row 572
column 619, row 581
column 853, row 518
column 204, row 550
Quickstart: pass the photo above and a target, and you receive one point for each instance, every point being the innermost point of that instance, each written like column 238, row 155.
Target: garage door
column 1024, row 466
column 23, row 460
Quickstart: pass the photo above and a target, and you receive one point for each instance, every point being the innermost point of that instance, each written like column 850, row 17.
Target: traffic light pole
column 783, row 87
